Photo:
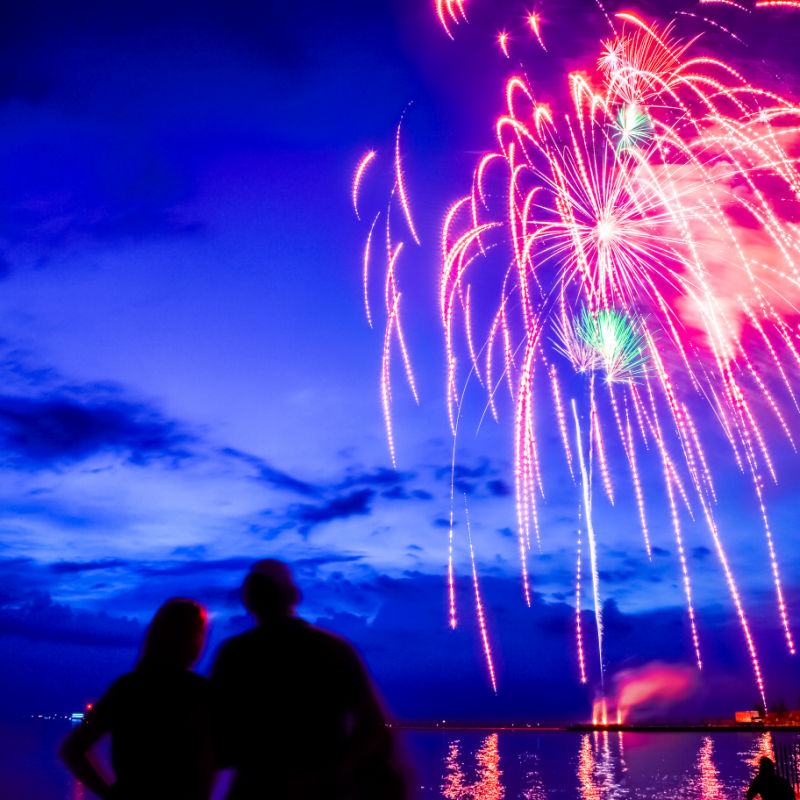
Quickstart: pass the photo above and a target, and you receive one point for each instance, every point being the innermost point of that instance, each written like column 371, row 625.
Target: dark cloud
column 399, row 492
column 462, row 471
column 353, row 504
column 271, row 476
column 498, row 488
column 67, row 567
column 700, row 552
column 396, row 493
column 239, row 565
column 442, row 522
column 174, row 569
column 314, row 562
column 60, row 429
column 39, row 618
column 379, row 477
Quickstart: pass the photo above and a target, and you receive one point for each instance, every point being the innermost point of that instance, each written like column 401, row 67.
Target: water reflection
column 762, row 746
column 710, row 788
column 589, row 790
column 605, row 766
column 532, row 781
column 454, row 786
column 601, row 766
column 487, row 786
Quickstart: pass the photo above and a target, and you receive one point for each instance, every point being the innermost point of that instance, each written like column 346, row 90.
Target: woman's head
column 176, row 635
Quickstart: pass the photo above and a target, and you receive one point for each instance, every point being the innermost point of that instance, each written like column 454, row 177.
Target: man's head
column 766, row 765
column 269, row 591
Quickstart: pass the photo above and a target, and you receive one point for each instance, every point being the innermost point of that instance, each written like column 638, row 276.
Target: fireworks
column 633, row 127
column 651, row 248
column 607, row 341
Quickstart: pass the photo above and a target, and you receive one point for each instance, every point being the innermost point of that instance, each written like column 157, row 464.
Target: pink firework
column 649, row 236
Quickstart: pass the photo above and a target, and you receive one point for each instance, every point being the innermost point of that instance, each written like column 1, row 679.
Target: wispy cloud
column 56, row 428
column 353, row 504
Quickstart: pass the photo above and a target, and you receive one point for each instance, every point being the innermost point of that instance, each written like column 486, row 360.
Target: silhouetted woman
column 159, row 718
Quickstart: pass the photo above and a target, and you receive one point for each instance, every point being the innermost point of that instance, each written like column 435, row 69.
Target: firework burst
column 657, row 205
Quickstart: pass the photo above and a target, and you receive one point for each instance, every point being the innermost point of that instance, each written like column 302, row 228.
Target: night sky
column 189, row 382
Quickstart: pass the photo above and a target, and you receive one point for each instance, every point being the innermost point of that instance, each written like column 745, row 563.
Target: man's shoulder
column 124, row 685
column 240, row 640
column 301, row 633
column 327, row 638
column 240, row 644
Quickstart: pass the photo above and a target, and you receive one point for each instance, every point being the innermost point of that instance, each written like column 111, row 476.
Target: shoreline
column 589, row 728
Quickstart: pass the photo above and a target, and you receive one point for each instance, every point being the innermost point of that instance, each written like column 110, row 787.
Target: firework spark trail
column 392, row 299
column 676, row 528
column 535, row 24
column 467, row 308
column 784, row 617
column 479, row 605
column 502, row 41
column 587, row 506
column 732, row 587
column 632, row 204
column 367, row 247
column 774, row 565
column 360, row 169
column 526, row 493
column 712, row 526
column 725, row 3
column 450, row 12
column 401, row 184
column 777, row 4
column 701, row 456
column 712, row 23
column 597, row 437
column 774, row 356
column 637, row 485
column 578, row 629
column 660, row 197
column 562, row 422
column 386, row 392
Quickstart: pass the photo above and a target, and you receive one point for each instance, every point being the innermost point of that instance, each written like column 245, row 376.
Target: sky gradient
column 189, row 382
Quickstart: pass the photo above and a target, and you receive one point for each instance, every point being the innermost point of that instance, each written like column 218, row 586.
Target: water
column 485, row 766
column 590, row 766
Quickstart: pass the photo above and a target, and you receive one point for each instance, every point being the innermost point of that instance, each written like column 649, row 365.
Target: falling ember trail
column 401, row 184
column 479, row 605
column 360, row 169
column 502, row 40
column 643, row 237
column 535, row 23
column 578, row 629
column 587, row 506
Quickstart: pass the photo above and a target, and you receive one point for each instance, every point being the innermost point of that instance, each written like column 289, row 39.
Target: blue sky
column 189, row 382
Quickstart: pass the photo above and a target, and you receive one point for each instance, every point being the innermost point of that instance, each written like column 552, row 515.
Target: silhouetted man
column 299, row 717
column 769, row 785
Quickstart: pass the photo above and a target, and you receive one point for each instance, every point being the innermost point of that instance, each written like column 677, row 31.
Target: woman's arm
column 75, row 752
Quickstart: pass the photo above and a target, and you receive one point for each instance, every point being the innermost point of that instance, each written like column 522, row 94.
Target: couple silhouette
column 288, row 707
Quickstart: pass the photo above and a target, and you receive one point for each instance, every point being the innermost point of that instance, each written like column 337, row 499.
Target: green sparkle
column 607, row 341
column 633, row 127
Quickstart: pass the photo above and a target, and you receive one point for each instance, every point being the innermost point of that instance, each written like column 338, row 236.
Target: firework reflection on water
column 589, row 766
